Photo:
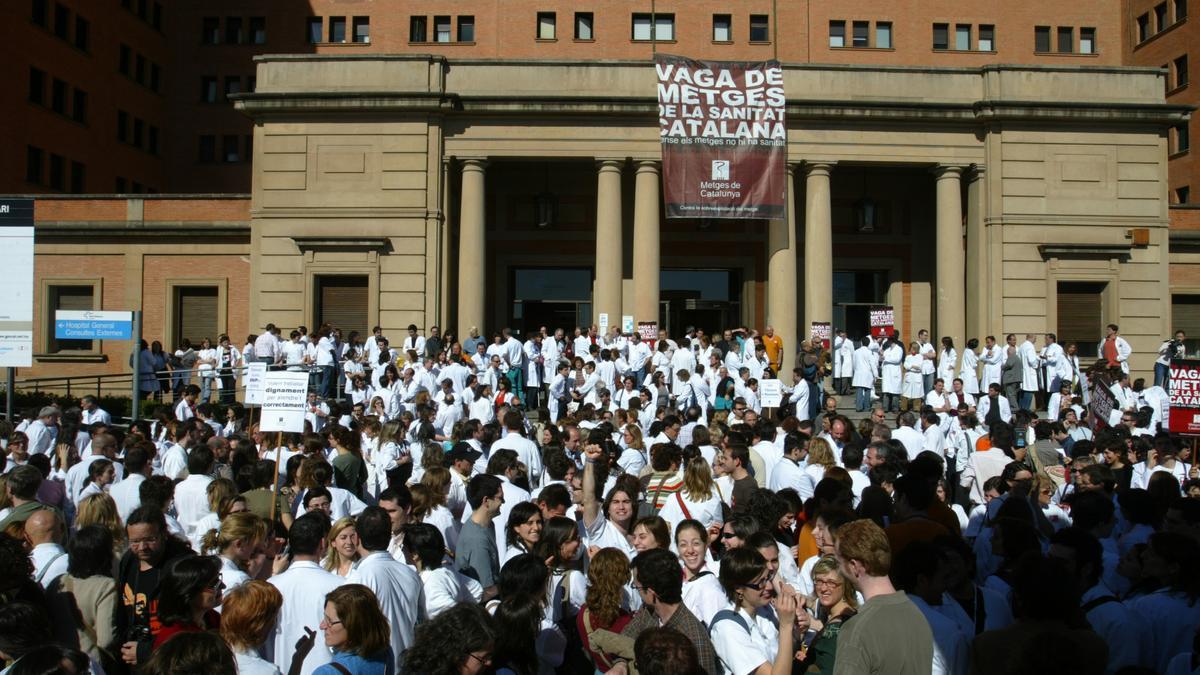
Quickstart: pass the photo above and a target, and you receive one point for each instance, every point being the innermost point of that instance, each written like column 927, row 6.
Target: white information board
column 16, row 293
column 770, row 393
column 256, row 373
column 284, row 396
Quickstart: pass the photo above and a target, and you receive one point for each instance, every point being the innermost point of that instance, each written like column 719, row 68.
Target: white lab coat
column 1058, row 369
column 865, row 367
column 893, row 360
column 303, row 586
column 1031, row 362
column 947, row 362
column 400, row 593
column 551, row 353
column 914, row 383
column 968, row 371
column 985, row 404
column 843, row 357
column 993, row 360
column 533, row 369
column 1123, row 352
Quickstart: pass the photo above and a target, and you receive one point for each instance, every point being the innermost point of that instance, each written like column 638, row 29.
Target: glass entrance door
column 854, row 293
column 554, row 297
column 710, row 300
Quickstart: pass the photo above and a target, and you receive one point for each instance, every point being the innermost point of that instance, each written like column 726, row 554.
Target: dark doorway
column 1080, row 315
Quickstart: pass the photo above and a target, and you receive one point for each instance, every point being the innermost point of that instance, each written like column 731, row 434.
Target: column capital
column 818, row 168
column 609, row 164
column 648, row 165
column 948, row 171
column 977, row 171
column 473, row 163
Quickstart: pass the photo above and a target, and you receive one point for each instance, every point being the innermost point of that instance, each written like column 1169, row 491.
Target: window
column 837, row 33
column 314, row 28
column 722, row 28
column 546, row 25
column 342, row 301
column 210, row 30
column 1066, row 39
column 123, row 60
column 760, row 28
column 1080, row 314
column 37, row 86
column 466, row 28
column 441, row 29
column 258, row 30
column 1182, row 142
column 62, row 21
column 1041, row 39
column 81, row 33
column 1182, row 194
column 1180, row 10
column 58, row 96
column 57, row 170
column 208, row 89
column 941, row 36
column 883, row 34
column 233, row 30
column 195, row 313
column 583, row 26
column 79, row 99
column 987, row 38
column 337, row 29
column 78, row 177
column 229, row 149
column 139, row 68
column 121, row 185
column 362, row 29
column 1181, row 71
column 416, row 29
column 1143, row 27
column 1160, row 16
column 67, row 298
column 962, row 37
column 152, row 140
column 122, row 126
column 664, row 27
column 38, row 13
column 207, row 148
column 233, row 85
column 860, row 34
column 33, row 165
column 155, row 75
column 139, row 130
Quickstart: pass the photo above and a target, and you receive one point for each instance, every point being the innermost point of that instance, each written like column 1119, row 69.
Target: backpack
column 728, row 615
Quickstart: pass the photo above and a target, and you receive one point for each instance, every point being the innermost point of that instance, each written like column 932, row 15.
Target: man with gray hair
column 43, row 432
column 104, row 446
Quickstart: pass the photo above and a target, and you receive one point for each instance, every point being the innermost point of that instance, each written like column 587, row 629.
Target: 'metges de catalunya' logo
column 720, row 169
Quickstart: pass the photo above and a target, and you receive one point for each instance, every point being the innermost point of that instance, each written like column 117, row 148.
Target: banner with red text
column 1185, row 397
column 723, row 136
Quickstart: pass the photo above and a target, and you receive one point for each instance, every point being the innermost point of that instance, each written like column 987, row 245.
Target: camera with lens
column 139, row 633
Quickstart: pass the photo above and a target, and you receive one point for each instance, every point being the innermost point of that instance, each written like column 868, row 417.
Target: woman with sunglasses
column 187, row 600
column 745, row 639
column 832, row 603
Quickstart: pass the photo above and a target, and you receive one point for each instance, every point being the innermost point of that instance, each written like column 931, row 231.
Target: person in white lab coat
column 1058, row 369
column 968, row 370
column 843, row 362
column 1030, row 363
column 913, row 391
column 865, row 369
column 303, row 585
column 891, row 373
column 993, row 358
column 534, row 366
column 1114, row 349
column 947, row 361
column 929, row 366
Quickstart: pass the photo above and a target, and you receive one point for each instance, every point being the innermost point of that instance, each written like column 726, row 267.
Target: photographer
column 1169, row 349
column 151, row 548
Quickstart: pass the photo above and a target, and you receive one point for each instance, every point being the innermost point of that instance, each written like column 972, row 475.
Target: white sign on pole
column 770, row 393
column 284, row 396
column 255, row 374
column 604, row 323
column 627, row 324
column 16, row 293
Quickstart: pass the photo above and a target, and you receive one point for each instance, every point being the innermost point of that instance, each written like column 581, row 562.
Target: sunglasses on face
column 758, row 586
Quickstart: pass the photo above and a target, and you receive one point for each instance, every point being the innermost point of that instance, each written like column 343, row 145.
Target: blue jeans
column 206, row 387
column 862, row 399
column 1162, row 375
column 928, row 379
column 891, row 402
column 1025, row 399
column 325, row 382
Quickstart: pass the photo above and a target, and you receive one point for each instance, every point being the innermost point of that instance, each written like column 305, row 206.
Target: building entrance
column 554, row 297
column 854, row 293
column 710, row 300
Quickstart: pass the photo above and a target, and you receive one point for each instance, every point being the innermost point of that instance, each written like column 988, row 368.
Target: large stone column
column 977, row 263
column 472, row 242
column 951, row 261
column 781, row 280
column 646, row 258
column 608, row 242
column 818, row 247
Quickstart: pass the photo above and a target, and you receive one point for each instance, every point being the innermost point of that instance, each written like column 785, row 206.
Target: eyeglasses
column 330, row 622
column 485, row 660
column 827, row 583
column 216, row 586
column 765, row 583
column 728, row 535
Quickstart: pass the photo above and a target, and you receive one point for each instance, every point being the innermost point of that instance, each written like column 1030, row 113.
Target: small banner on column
column 723, row 136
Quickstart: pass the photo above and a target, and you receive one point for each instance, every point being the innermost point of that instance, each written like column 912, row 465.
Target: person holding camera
column 139, row 575
column 1169, row 349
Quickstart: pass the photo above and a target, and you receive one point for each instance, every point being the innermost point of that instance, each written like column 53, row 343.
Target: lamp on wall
column 864, row 209
column 546, row 204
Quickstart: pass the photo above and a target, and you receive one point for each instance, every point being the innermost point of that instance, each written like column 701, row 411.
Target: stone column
column 951, row 261
column 977, row 264
column 608, row 242
column 781, row 279
column 818, row 248
column 646, row 258
column 472, row 242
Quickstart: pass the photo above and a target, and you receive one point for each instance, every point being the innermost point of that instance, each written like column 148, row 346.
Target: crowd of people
column 611, row 504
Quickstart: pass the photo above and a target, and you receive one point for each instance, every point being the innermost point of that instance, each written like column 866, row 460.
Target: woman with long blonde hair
column 343, row 547
column 219, row 492
column 100, row 509
column 608, row 573
column 698, row 498
column 429, row 504
column 633, row 457
column 820, row 458
column 242, row 536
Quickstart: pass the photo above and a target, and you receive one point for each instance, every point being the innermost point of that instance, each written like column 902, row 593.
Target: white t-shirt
column 741, row 652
